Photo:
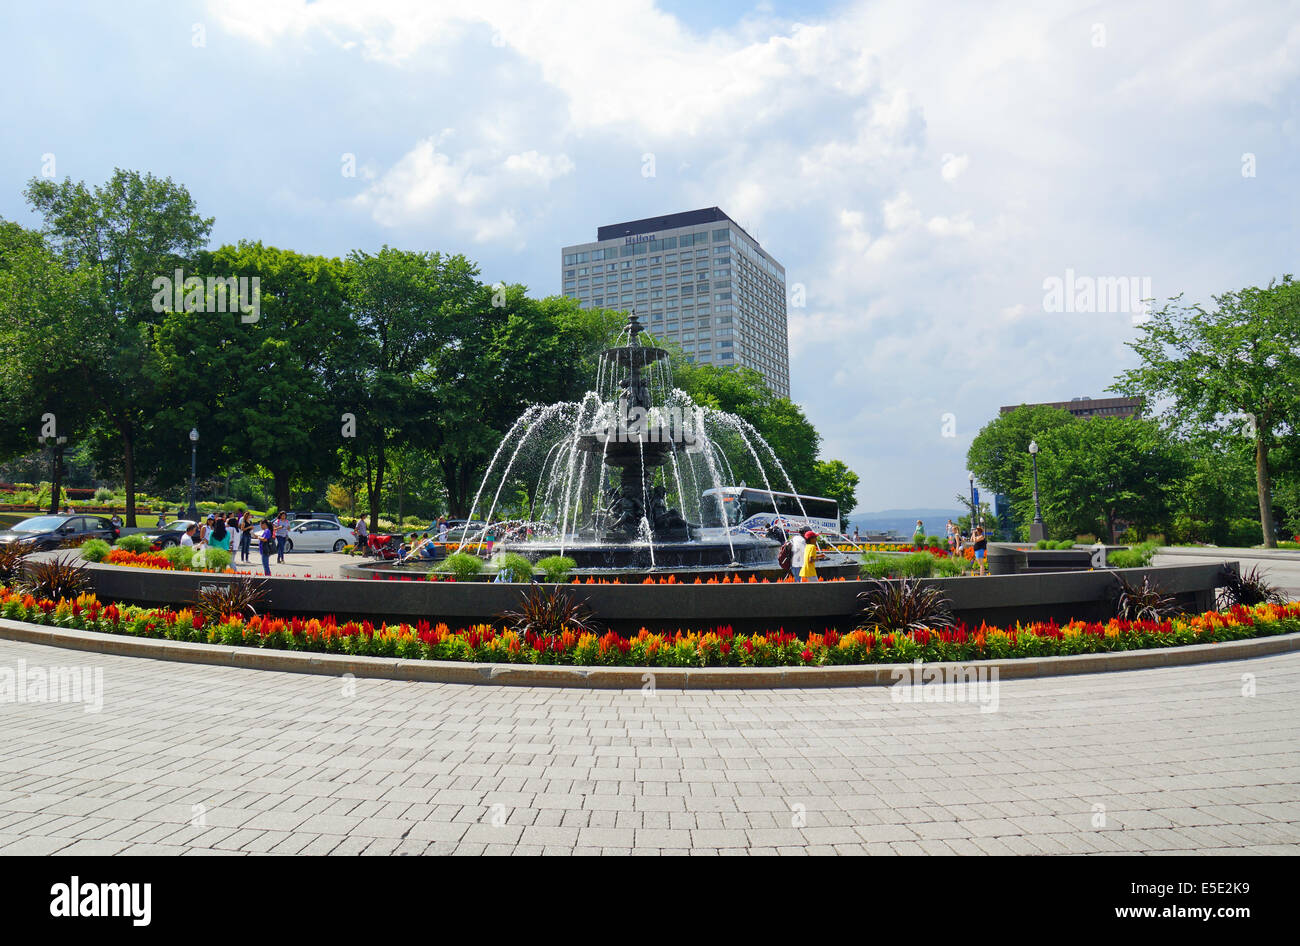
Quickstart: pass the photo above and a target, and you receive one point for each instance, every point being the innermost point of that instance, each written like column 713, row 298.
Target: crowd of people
column 234, row 534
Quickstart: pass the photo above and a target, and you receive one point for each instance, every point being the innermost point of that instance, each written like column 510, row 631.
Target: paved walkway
column 187, row 759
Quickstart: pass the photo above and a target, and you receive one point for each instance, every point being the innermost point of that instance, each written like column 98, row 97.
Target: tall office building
column 694, row 278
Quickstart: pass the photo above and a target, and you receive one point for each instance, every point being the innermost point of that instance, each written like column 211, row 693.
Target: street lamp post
column 974, row 509
column 194, row 452
column 1038, row 530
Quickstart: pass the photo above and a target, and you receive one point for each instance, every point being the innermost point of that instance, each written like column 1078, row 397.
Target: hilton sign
column 640, row 238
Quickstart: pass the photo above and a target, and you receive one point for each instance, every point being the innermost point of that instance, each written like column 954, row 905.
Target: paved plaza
column 190, row 759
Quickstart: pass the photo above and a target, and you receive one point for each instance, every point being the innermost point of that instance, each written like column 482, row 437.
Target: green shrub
column 878, row 566
column 181, row 556
column 1062, row 545
column 1086, row 538
column 103, row 496
column 1139, row 556
column 95, row 550
column 932, row 541
column 1042, row 544
column 950, row 567
column 917, row 565
column 460, row 564
column 214, row 560
column 133, row 543
column 515, row 567
column 557, row 567
column 1244, row 533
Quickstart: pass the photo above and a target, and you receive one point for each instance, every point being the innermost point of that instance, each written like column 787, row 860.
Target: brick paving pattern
column 189, row 759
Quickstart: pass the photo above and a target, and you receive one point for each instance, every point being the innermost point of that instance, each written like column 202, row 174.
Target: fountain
column 620, row 479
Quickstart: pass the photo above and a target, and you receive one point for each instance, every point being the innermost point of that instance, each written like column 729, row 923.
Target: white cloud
column 544, row 167
column 953, row 166
column 466, row 191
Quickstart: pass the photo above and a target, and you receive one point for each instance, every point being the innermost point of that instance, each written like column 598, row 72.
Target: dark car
column 51, row 532
column 169, row 535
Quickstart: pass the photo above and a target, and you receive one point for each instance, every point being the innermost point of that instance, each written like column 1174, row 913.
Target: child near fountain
column 808, row 572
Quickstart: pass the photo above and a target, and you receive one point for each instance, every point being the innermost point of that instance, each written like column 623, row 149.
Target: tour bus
column 755, row 510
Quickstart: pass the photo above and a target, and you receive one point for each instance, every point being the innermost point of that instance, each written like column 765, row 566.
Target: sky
column 931, row 174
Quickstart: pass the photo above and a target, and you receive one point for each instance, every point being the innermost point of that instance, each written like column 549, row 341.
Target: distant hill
column 903, row 521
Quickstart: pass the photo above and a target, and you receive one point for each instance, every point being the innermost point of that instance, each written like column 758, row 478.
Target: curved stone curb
column 628, row 678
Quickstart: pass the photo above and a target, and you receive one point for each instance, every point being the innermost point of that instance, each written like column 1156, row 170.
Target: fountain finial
column 634, row 326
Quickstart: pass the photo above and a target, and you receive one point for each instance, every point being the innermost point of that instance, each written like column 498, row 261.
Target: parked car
column 327, row 516
column 169, row 535
column 318, row 535
column 51, row 532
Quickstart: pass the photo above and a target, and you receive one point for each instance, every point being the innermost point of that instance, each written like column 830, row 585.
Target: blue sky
column 921, row 168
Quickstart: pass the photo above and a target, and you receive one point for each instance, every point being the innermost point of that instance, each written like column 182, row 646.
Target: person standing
column 798, row 543
column 281, row 532
column 363, row 534
column 981, row 544
column 442, row 529
column 162, row 520
column 220, row 536
column 808, row 572
column 951, row 535
column 188, row 537
column 265, row 542
column 245, row 536
column 918, row 537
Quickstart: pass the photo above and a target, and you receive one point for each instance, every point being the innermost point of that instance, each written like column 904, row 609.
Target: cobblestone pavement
column 190, row 759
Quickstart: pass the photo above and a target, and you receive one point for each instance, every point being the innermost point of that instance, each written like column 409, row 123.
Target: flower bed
column 935, row 550
column 719, row 647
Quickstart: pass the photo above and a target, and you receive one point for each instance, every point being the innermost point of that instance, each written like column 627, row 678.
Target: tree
column 261, row 392
column 1097, row 473
column 510, row 351
column 836, row 481
column 1215, row 500
column 1238, row 363
column 406, row 306
column 132, row 230
column 50, row 336
column 999, row 454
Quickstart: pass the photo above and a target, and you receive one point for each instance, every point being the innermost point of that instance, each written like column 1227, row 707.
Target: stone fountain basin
column 748, row 553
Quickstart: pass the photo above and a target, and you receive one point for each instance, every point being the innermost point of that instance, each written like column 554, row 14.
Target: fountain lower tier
column 742, row 552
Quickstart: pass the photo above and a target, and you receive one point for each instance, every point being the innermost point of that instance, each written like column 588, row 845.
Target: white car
column 318, row 535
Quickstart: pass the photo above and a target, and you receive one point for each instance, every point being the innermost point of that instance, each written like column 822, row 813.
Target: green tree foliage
column 49, row 334
column 407, row 308
column 508, row 351
column 1237, row 363
column 1097, row 473
column 131, row 231
column 836, row 481
column 260, row 392
column 999, row 454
